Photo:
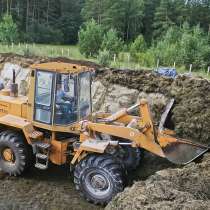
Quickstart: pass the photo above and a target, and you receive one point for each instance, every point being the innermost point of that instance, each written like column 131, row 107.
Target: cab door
column 44, row 94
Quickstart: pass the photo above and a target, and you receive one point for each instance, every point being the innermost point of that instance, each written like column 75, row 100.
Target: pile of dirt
column 25, row 62
column 191, row 114
column 183, row 188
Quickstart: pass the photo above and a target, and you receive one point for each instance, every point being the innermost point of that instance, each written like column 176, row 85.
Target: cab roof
column 61, row 67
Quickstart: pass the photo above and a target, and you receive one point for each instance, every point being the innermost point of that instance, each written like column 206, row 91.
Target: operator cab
column 62, row 93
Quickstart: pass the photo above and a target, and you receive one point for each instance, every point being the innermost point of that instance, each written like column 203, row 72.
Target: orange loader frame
column 140, row 131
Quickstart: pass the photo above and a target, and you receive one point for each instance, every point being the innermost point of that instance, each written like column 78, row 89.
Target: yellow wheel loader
column 55, row 124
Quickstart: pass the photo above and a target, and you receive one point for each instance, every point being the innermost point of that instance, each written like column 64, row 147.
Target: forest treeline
column 58, row 21
column 171, row 31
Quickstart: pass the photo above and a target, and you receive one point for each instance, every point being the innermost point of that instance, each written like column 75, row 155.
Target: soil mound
column 27, row 61
column 191, row 114
column 183, row 188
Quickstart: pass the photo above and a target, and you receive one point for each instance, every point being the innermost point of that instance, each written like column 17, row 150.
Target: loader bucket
column 183, row 151
column 178, row 151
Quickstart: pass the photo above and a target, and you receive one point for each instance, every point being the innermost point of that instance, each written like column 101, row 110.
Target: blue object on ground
column 167, row 71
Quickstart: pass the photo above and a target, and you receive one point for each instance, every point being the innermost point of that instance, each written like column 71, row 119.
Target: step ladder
column 42, row 155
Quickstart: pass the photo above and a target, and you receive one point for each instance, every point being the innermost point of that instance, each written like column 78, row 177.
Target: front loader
column 55, row 124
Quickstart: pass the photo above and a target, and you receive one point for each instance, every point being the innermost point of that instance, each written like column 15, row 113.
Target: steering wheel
column 70, row 99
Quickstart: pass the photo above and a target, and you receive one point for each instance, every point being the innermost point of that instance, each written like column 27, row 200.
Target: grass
column 43, row 50
column 73, row 52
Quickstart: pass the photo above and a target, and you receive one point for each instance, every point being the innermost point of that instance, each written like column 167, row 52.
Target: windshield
column 84, row 95
column 65, row 100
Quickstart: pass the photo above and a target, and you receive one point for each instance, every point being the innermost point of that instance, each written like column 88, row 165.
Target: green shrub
column 194, row 48
column 27, row 52
column 138, row 46
column 90, row 39
column 8, row 30
column 104, row 58
column 146, row 59
column 112, row 43
column 184, row 46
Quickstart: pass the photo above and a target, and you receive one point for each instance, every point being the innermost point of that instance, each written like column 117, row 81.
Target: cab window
column 65, row 100
column 43, row 97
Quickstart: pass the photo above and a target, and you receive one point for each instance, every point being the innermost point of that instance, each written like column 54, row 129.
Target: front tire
column 15, row 154
column 99, row 178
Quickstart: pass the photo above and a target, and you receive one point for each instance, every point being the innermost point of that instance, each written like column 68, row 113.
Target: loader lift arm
column 142, row 134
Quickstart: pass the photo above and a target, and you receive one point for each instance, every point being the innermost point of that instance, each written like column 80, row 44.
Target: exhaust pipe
column 14, row 86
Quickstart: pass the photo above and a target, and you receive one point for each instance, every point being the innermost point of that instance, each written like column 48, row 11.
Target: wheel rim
column 8, row 155
column 97, row 183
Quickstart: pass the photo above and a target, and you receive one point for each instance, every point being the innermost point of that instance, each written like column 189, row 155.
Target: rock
column 99, row 92
column 23, row 88
column 22, row 76
column 118, row 97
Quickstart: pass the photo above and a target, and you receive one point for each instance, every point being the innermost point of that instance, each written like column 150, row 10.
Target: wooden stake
column 128, row 60
column 158, row 63
column 190, row 68
column 114, row 58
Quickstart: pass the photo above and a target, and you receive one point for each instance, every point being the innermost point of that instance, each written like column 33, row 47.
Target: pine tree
column 70, row 20
column 148, row 19
column 8, row 30
column 162, row 19
column 93, row 9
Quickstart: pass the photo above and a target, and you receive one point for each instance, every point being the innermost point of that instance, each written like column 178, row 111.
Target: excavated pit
column 171, row 188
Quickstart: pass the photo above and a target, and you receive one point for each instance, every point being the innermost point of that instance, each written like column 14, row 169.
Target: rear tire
column 99, row 178
column 131, row 157
column 15, row 154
